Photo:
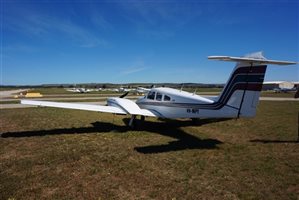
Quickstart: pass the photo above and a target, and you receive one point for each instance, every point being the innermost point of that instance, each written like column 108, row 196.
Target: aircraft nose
column 140, row 99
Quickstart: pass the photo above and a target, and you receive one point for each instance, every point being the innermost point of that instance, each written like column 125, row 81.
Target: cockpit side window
column 166, row 98
column 151, row 95
column 159, row 96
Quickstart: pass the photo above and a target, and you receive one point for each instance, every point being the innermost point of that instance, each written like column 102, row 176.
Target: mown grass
column 48, row 153
column 10, row 102
column 281, row 94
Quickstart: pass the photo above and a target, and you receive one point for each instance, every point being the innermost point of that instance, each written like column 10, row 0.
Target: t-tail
column 242, row 90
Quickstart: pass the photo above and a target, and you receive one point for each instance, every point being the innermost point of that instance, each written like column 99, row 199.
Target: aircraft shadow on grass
column 274, row 141
column 170, row 128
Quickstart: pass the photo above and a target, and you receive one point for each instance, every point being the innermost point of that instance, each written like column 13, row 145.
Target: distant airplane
column 79, row 90
column 239, row 97
column 111, row 89
column 142, row 90
column 122, row 89
column 138, row 90
column 284, row 89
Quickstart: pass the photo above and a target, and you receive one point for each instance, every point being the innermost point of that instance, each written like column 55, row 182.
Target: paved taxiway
column 9, row 93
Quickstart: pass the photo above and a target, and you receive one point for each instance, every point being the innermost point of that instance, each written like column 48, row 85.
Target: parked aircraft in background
column 79, row 90
column 142, row 90
column 138, row 90
column 284, row 90
column 122, row 89
column 239, row 97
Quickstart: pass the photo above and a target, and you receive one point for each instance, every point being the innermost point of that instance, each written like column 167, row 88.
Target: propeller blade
column 123, row 95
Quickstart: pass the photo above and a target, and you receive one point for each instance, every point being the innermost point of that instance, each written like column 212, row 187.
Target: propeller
column 123, row 95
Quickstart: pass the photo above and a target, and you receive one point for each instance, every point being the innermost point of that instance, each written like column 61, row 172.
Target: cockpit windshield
column 158, row 96
column 166, row 98
column 151, row 95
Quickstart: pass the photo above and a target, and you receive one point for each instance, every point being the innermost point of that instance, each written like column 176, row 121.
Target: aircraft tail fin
column 242, row 90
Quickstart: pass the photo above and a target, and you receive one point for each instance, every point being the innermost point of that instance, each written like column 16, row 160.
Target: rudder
column 243, row 89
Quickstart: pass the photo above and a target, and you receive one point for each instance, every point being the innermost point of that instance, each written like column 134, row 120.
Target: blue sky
column 78, row 41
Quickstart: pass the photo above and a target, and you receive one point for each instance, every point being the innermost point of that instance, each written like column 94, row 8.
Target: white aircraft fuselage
column 172, row 103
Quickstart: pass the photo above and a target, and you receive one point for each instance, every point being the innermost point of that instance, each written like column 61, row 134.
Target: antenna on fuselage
column 182, row 87
column 195, row 91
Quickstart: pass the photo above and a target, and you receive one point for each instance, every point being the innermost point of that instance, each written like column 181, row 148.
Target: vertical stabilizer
column 242, row 90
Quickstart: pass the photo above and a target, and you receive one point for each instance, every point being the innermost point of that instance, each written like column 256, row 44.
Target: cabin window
column 151, row 95
column 166, row 98
column 159, row 97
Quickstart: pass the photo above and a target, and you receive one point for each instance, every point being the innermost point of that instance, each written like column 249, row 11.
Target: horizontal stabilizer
column 252, row 58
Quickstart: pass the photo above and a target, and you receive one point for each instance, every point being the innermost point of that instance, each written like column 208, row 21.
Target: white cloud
column 137, row 66
column 20, row 48
column 80, row 35
column 133, row 70
column 159, row 20
column 99, row 21
column 42, row 26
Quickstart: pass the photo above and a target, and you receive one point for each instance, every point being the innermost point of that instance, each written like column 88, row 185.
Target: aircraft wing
column 88, row 107
column 126, row 106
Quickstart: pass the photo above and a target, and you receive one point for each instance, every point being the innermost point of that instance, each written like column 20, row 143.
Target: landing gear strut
column 132, row 121
column 142, row 118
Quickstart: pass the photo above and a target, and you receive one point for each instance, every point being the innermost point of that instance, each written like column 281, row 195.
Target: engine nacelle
column 129, row 106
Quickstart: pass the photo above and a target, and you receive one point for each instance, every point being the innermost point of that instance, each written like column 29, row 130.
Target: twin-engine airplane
column 239, row 97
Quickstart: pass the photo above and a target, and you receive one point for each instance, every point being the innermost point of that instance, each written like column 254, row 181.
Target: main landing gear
column 132, row 122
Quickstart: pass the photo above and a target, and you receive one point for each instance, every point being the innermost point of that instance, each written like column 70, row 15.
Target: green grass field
column 10, row 102
column 48, row 153
column 273, row 94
